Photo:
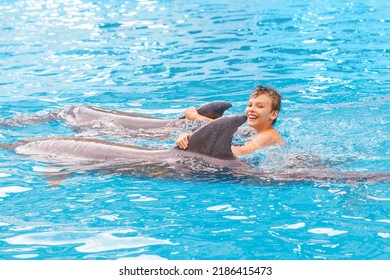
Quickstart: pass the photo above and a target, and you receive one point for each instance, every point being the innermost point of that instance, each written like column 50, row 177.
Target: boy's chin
column 252, row 122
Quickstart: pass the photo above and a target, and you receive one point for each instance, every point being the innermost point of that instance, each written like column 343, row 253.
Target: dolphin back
column 215, row 138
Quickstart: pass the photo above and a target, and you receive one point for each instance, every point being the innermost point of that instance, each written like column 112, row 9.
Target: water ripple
column 329, row 59
column 93, row 242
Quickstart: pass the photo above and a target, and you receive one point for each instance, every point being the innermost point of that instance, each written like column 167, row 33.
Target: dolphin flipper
column 56, row 178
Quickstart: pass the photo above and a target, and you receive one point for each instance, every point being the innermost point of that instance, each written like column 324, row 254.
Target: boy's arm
column 261, row 140
column 192, row 114
column 245, row 149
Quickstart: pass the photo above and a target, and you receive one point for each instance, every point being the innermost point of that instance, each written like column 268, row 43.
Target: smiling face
column 260, row 112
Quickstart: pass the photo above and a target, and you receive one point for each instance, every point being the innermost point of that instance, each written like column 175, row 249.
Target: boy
column 262, row 111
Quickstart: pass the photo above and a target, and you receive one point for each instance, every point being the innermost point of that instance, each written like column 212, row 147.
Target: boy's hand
column 182, row 141
column 192, row 114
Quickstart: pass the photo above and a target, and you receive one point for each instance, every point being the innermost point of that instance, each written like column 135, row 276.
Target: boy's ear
column 274, row 114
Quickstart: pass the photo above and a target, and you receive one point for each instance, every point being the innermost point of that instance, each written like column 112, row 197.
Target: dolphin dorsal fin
column 213, row 110
column 215, row 138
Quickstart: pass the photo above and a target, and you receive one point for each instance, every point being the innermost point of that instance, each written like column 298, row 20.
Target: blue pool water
column 330, row 61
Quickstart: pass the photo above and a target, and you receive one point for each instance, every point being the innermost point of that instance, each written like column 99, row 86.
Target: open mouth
column 252, row 117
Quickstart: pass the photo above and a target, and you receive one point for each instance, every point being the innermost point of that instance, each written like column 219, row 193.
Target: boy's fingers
column 191, row 113
column 182, row 141
column 183, row 145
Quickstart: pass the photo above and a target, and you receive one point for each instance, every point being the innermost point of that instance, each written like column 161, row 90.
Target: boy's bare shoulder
column 268, row 137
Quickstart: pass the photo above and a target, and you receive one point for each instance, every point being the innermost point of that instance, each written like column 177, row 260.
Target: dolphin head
column 215, row 138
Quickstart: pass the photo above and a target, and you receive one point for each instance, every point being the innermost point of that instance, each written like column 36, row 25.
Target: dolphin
column 208, row 146
column 208, row 156
column 79, row 116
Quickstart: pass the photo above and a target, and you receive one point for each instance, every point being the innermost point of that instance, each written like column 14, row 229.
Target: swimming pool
column 329, row 59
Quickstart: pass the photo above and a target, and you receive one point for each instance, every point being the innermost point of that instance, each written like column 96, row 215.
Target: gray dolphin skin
column 208, row 155
column 79, row 116
column 210, row 144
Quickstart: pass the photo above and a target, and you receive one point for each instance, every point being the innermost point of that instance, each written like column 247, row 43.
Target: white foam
column 143, row 199
column 144, row 257
column 22, row 228
column 26, row 256
column 384, row 234
column 93, row 242
column 356, row 218
column 46, row 169
column 5, row 191
column 133, row 195
column 221, row 231
column 110, row 217
column 225, row 207
column 312, row 41
column 85, row 200
column 327, row 231
column 378, row 198
column 3, row 175
column 292, row 226
column 384, row 221
column 236, row 217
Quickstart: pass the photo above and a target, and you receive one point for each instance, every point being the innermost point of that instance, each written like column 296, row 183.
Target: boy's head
column 272, row 93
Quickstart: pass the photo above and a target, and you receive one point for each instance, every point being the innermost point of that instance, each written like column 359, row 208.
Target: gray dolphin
column 208, row 154
column 79, row 116
column 210, row 145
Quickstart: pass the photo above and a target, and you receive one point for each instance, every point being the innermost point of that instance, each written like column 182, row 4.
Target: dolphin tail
column 14, row 145
column 54, row 178
column 22, row 120
column 10, row 147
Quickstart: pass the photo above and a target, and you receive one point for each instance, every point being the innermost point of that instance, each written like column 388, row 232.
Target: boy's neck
column 264, row 128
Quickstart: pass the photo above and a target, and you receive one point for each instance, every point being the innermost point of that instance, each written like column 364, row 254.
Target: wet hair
column 271, row 92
